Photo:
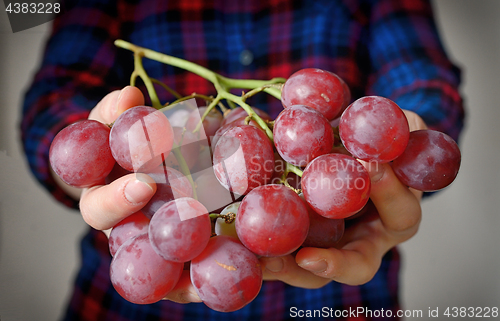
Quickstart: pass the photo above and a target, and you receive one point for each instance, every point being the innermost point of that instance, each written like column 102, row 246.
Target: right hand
column 103, row 206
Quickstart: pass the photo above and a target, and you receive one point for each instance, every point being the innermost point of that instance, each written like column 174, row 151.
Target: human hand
column 358, row 256
column 103, row 206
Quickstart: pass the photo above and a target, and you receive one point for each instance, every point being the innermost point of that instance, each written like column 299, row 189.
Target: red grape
column 430, row 162
column 210, row 124
column 140, row 275
column 336, row 186
column 170, row 184
column 319, row 89
column 204, row 159
column 347, row 97
column 226, row 275
column 127, row 228
column 224, row 128
column 189, row 147
column 179, row 116
column 374, row 129
column 141, row 138
column 243, row 159
column 323, row 232
column 302, row 134
column 80, row 153
column 180, row 229
column 211, row 193
column 272, row 221
column 116, row 173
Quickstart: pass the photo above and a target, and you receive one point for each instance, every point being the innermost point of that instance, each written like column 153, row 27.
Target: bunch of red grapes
column 229, row 193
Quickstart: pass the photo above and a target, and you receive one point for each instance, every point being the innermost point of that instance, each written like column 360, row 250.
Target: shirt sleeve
column 409, row 64
column 78, row 68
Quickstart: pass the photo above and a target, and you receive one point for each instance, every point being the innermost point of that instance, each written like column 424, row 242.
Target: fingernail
column 274, row 264
column 137, row 192
column 189, row 297
column 119, row 98
column 375, row 170
column 315, row 266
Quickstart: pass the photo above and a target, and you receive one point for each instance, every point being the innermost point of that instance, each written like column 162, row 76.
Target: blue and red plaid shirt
column 389, row 48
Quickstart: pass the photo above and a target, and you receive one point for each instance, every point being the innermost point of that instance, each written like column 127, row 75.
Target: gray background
column 454, row 260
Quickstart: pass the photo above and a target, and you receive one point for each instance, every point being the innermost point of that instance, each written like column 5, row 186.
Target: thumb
column 103, row 206
column 115, row 103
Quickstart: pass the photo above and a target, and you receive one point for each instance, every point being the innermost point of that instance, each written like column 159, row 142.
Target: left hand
column 358, row 256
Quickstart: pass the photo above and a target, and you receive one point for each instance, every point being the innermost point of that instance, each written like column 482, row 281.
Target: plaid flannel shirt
column 389, row 48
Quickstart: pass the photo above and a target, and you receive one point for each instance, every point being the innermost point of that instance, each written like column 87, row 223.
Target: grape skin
column 347, row 97
column 319, row 89
column 374, row 129
column 336, row 186
column 272, row 221
column 224, row 128
column 170, row 184
column 323, row 232
column 116, row 173
column 211, row 193
column 140, row 275
column 80, row 153
column 302, row 134
column 210, row 124
column 243, row 159
column 189, row 147
column 226, row 275
column 180, row 229
column 430, row 162
column 127, row 228
column 141, row 138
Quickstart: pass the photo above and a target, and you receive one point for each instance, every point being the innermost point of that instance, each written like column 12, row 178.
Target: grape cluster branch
column 222, row 84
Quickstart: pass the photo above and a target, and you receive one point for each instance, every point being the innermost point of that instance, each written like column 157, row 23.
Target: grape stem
column 254, row 91
column 222, row 84
column 209, row 108
column 141, row 72
column 229, row 217
column 291, row 169
column 167, row 88
column 184, row 168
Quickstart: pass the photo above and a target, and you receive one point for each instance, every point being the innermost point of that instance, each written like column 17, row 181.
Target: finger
column 358, row 255
column 415, row 122
column 285, row 269
column 398, row 207
column 115, row 103
column 184, row 291
column 354, row 264
column 105, row 205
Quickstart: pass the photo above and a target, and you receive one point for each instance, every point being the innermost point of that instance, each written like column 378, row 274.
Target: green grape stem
column 291, row 169
column 228, row 217
column 222, row 84
column 184, row 168
column 141, row 72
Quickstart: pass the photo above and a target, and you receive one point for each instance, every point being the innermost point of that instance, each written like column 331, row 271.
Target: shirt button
column 246, row 57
